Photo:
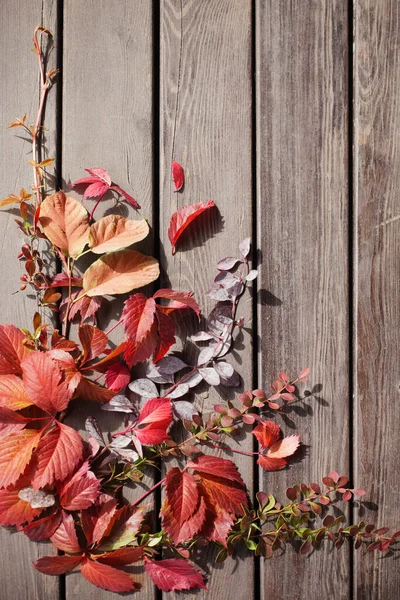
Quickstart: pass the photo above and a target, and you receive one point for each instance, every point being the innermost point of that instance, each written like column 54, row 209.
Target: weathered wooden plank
column 302, row 195
column 107, row 122
column 205, row 125
column 377, row 313
column 20, row 93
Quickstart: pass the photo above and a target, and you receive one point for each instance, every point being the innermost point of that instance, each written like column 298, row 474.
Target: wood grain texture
column 19, row 95
column 303, row 309
column 205, row 125
column 107, row 123
column 377, row 256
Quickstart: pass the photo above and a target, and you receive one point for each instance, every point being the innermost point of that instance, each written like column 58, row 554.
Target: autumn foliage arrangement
column 59, row 486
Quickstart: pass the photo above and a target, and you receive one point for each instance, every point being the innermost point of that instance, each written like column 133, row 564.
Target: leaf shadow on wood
column 205, row 227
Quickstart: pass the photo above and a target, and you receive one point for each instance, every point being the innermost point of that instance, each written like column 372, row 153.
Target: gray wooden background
column 287, row 114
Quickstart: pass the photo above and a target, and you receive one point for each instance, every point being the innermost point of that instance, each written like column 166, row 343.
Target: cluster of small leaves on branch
column 57, row 486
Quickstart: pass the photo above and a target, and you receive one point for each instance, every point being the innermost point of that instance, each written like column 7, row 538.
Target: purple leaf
column 144, row 388
column 232, row 381
column 224, row 369
column 184, row 410
column 201, row 336
column 210, row 375
column 194, row 379
column 205, row 355
column 251, row 275
column 93, row 429
column 244, row 247
column 170, row 365
column 119, row 403
column 227, row 263
column 129, row 455
column 122, row 441
column 179, row 391
column 218, row 293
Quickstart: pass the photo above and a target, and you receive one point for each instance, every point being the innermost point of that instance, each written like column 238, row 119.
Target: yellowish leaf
column 65, row 222
column 115, row 232
column 119, row 273
column 47, row 162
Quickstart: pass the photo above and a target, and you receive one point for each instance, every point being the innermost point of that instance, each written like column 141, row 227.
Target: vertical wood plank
column 302, row 194
column 205, row 124
column 20, row 94
column 107, row 122
column 377, row 181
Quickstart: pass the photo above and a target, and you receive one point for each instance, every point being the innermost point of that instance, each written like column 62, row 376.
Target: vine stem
column 44, row 88
column 148, row 492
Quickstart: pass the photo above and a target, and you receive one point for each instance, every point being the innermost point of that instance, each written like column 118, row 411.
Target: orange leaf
column 15, row 454
column 12, row 350
column 120, row 272
column 12, row 393
column 114, row 232
column 65, row 222
column 43, row 383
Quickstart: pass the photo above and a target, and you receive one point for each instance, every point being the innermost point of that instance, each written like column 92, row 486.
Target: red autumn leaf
column 43, row 383
column 96, row 520
column 107, row 577
column 43, row 529
column 13, row 510
column 183, row 217
column 15, row 454
column 105, row 363
column 227, row 495
column 178, row 175
column 12, row 393
column 117, row 377
column 81, row 491
column 63, row 280
column 57, row 455
column 177, row 301
column 65, row 537
column 93, row 340
column 214, row 465
column 182, row 494
column 12, row 350
column 182, row 531
column 121, row 557
column 174, row 574
column 99, row 183
column 57, row 565
column 221, row 526
column 274, row 451
column 138, row 317
column 166, row 335
column 86, row 306
column 154, row 420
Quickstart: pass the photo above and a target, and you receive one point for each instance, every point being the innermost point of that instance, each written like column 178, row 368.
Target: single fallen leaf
column 183, row 217
column 178, row 175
